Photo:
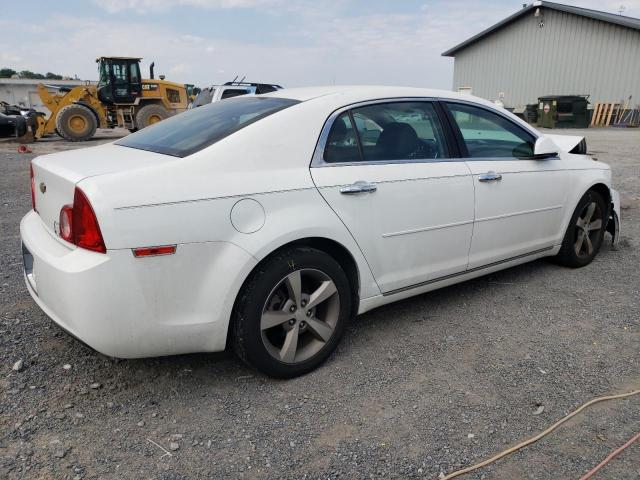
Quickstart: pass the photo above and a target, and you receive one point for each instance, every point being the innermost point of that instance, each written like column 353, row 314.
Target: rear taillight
column 33, row 187
column 79, row 225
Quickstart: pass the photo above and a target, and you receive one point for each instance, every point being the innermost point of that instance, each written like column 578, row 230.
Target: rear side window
column 489, row 135
column 387, row 131
column 234, row 92
column 342, row 144
column 195, row 129
column 400, row 131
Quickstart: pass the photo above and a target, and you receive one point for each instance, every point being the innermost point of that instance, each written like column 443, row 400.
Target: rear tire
column 291, row 312
column 76, row 123
column 150, row 114
column 585, row 233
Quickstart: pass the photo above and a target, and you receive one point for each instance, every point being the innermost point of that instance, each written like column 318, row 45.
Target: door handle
column 359, row 187
column 490, row 177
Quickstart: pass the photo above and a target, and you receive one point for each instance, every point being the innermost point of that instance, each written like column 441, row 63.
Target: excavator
column 122, row 98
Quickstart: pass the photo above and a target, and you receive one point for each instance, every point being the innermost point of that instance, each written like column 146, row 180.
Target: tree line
column 9, row 72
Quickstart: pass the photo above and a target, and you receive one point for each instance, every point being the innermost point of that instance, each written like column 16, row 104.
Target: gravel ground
column 424, row 386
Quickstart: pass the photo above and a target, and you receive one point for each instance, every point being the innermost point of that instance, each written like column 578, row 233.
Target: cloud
column 180, row 69
column 319, row 44
column 631, row 7
column 144, row 6
column 318, row 48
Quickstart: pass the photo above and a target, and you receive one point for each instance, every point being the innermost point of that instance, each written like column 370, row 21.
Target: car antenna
column 242, row 79
column 234, row 79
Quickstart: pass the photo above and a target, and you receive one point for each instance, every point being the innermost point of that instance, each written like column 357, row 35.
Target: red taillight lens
column 33, row 187
column 86, row 231
column 66, row 223
column 79, row 225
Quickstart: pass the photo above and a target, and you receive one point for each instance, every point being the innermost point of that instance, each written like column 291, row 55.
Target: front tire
column 585, row 233
column 291, row 312
column 76, row 123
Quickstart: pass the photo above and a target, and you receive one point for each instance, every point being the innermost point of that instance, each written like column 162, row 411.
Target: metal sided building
column 551, row 49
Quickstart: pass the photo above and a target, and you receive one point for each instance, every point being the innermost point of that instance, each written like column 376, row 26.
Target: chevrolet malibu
column 267, row 222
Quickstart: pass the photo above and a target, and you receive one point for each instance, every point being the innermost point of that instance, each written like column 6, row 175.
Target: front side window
column 489, row 135
column 387, row 132
column 195, row 129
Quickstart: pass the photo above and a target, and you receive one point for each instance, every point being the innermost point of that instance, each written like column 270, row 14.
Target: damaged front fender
column 613, row 223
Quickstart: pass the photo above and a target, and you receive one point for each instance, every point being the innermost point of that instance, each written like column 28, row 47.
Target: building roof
column 629, row 22
column 46, row 81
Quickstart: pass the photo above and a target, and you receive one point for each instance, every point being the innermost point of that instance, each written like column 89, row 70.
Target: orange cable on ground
column 537, row 437
column 610, row 457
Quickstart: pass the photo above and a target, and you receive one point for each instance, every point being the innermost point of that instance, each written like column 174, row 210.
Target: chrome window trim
column 318, row 154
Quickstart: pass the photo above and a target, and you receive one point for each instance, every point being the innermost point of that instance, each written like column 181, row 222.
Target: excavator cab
column 119, row 81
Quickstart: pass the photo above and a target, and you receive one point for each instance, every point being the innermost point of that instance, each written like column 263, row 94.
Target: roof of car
column 330, row 98
column 359, row 93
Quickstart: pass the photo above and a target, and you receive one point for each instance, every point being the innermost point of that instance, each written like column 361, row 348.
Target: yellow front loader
column 120, row 99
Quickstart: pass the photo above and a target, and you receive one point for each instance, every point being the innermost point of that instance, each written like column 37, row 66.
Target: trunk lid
column 56, row 175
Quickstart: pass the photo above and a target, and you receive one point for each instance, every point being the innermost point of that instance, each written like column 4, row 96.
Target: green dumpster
column 563, row 111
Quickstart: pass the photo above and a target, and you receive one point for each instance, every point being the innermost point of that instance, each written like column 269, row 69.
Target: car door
column 518, row 200
column 385, row 168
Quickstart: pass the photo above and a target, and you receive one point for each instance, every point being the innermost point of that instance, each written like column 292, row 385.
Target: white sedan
column 267, row 222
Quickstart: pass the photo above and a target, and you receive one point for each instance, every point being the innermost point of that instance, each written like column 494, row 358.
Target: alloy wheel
column 588, row 226
column 300, row 315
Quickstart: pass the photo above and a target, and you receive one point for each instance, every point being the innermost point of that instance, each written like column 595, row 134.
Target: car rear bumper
column 130, row 307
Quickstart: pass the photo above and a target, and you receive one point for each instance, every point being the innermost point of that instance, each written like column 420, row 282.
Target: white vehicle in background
column 232, row 89
column 271, row 220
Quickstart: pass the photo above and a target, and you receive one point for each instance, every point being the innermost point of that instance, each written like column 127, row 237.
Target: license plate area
column 27, row 262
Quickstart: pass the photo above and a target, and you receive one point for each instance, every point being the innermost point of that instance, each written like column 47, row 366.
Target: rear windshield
column 193, row 130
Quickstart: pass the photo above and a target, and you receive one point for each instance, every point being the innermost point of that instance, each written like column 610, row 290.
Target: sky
column 289, row 42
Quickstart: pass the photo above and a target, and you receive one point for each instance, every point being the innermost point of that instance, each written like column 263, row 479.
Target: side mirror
column 544, row 148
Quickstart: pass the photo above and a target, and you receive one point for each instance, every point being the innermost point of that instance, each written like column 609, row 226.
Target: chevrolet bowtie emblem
column 43, row 187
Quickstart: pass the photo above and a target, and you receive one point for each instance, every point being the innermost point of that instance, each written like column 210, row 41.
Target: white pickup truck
column 215, row 93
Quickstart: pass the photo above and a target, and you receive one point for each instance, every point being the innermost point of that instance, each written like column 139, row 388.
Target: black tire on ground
column 76, row 123
column 150, row 114
column 250, row 338
column 585, row 232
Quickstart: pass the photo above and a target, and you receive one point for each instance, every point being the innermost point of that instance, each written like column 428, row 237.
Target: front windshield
column 195, row 129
